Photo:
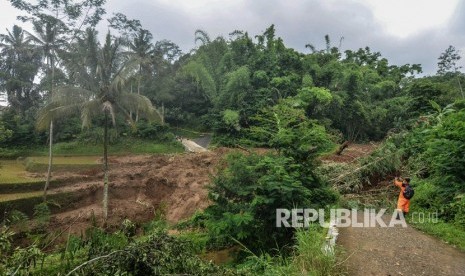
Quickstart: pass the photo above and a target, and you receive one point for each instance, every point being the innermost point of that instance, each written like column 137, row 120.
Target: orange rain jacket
column 402, row 203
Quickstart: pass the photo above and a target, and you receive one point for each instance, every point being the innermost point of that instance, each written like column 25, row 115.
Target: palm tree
column 141, row 51
column 202, row 36
column 101, row 93
column 206, row 67
column 14, row 42
column 16, row 52
column 47, row 41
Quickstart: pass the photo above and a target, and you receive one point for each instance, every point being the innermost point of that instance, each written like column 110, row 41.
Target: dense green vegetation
column 99, row 253
column 433, row 153
column 131, row 94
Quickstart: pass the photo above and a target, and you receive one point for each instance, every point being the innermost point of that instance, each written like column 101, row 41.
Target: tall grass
column 448, row 232
column 308, row 258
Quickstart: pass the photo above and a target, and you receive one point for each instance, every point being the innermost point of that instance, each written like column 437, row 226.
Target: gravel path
column 398, row 251
column 203, row 141
column 192, row 146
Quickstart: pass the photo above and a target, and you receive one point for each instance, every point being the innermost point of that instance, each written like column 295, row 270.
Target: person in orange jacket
column 403, row 204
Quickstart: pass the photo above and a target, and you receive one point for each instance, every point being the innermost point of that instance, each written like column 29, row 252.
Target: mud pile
column 140, row 186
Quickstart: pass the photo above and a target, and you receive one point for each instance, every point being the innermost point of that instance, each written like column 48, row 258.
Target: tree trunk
column 105, row 168
column 138, row 92
column 460, row 85
column 162, row 113
column 50, row 154
column 342, row 147
column 130, row 110
column 50, row 161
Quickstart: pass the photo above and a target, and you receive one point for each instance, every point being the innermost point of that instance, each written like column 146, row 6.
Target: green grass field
column 126, row 146
column 16, row 172
column 12, row 171
column 10, row 197
column 450, row 233
column 66, row 160
column 62, row 163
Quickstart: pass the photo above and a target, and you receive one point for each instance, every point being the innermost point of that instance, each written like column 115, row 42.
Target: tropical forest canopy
column 223, row 85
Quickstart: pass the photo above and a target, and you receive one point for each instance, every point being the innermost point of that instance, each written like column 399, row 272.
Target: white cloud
column 403, row 18
column 8, row 16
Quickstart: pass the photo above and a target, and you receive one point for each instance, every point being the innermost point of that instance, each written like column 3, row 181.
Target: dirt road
column 392, row 251
column 398, row 251
column 203, row 141
column 192, row 146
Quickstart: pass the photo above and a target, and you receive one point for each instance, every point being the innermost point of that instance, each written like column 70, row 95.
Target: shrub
column 153, row 131
column 433, row 150
column 308, row 258
column 159, row 254
column 5, row 241
column 128, row 228
column 288, row 130
column 95, row 136
column 42, row 214
column 247, row 193
column 445, row 148
column 16, row 217
column 458, row 208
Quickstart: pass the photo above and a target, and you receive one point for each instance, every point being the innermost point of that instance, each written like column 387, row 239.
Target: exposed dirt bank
column 175, row 185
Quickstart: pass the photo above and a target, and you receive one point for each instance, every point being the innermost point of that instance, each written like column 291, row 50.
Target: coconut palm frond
column 126, row 113
column 44, row 117
column 53, row 111
column 202, row 36
column 65, row 110
column 124, row 73
column 88, row 110
column 108, row 106
column 66, row 95
column 131, row 101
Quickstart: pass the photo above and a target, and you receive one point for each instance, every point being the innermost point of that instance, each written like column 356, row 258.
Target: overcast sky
column 404, row 31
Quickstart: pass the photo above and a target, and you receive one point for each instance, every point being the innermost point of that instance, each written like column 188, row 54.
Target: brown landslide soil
column 140, row 186
column 176, row 185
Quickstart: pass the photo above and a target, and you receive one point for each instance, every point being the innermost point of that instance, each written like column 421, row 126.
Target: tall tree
column 59, row 15
column 19, row 67
column 104, row 93
column 141, row 51
column 447, row 64
column 47, row 40
column 76, row 15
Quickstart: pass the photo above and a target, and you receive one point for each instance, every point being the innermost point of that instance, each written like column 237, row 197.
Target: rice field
column 12, row 171
column 10, row 197
column 66, row 160
column 39, row 164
